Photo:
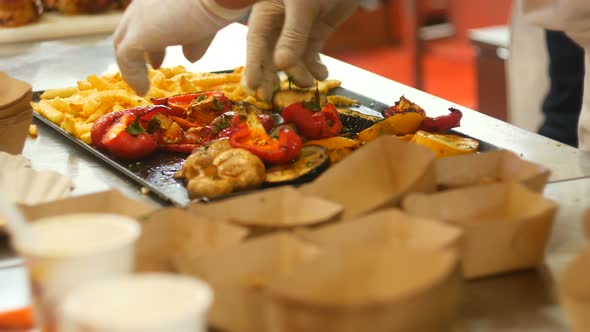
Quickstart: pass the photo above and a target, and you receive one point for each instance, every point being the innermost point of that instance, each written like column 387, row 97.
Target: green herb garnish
column 217, row 104
column 135, row 128
column 222, row 125
column 153, row 125
column 312, row 105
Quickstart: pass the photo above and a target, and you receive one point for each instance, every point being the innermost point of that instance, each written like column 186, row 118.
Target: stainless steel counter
column 516, row 302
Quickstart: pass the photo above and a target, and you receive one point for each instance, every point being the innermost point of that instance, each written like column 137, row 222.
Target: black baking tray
column 156, row 173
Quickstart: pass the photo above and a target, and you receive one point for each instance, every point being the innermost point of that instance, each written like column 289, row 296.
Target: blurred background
column 434, row 45
column 466, row 51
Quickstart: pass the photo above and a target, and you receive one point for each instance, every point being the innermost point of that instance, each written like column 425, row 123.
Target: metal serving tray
column 156, row 172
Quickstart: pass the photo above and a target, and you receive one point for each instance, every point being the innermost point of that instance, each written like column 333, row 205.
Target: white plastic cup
column 150, row 302
column 73, row 249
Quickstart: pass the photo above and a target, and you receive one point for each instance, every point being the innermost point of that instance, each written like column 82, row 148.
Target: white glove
column 149, row 26
column 288, row 35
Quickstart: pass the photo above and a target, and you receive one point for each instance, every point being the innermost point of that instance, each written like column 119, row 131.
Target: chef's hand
column 149, row 26
column 288, row 35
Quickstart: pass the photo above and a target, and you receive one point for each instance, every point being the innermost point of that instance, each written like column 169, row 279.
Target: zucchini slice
column 356, row 121
column 313, row 160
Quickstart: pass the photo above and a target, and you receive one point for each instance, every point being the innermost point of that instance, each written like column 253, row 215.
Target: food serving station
column 516, row 301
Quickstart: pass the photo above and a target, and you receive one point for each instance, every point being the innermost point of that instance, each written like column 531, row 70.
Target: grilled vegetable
column 314, row 121
column 403, row 105
column 338, row 147
column 249, row 134
column 446, row 145
column 399, row 124
column 442, row 123
column 285, row 98
column 274, row 133
column 313, row 160
column 356, row 121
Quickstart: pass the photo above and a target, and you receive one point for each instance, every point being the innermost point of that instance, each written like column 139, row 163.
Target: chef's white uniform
column 572, row 17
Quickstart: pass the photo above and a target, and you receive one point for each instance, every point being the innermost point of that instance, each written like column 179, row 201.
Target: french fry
column 156, row 92
column 216, row 79
column 186, row 86
column 49, row 112
column 33, row 131
column 102, row 109
column 61, row 104
column 342, row 100
column 328, row 85
column 84, row 85
column 117, row 108
column 91, row 105
column 68, row 125
column 62, row 93
column 97, row 82
column 81, row 128
column 173, row 71
column 86, row 138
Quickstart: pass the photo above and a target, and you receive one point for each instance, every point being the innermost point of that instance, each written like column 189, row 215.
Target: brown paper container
column 238, row 277
column 505, row 226
column 386, row 226
column 26, row 186
column 574, row 291
column 13, row 137
column 489, row 167
column 172, row 232
column 30, row 187
column 111, row 201
column 10, row 162
column 12, row 91
column 16, row 110
column 586, row 222
column 376, row 176
column 269, row 210
column 376, row 288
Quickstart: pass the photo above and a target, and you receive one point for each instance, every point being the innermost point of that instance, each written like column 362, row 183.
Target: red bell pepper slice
column 312, row 121
column 107, row 121
column 442, row 123
column 101, row 126
column 249, row 134
column 131, row 147
column 123, row 133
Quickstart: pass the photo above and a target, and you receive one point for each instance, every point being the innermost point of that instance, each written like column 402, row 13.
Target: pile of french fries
column 76, row 109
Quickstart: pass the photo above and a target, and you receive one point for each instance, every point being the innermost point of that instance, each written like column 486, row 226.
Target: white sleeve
column 570, row 16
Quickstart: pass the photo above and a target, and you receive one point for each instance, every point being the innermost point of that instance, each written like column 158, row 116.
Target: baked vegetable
column 314, row 121
column 398, row 124
column 338, row 147
column 284, row 98
column 312, row 161
column 249, row 134
column 446, row 145
column 442, row 123
column 356, row 121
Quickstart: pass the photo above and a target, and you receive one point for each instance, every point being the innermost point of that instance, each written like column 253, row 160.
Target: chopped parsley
column 135, row 128
column 313, row 106
column 217, row 104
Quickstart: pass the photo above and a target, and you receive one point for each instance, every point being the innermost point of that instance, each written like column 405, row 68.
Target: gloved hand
column 149, row 26
column 288, row 35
